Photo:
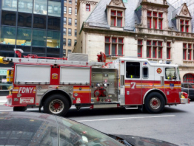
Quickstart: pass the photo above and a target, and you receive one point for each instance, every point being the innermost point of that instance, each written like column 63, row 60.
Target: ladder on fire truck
column 31, row 58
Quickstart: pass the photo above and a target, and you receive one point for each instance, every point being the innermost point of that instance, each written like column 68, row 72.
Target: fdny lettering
column 26, row 90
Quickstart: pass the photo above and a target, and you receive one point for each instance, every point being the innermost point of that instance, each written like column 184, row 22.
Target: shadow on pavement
column 113, row 112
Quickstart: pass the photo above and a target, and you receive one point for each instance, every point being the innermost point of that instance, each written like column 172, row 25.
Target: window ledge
column 116, row 28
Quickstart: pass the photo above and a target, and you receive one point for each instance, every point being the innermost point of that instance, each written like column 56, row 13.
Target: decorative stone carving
column 185, row 11
column 165, row 39
column 173, row 40
column 136, row 36
column 117, row 2
column 145, row 38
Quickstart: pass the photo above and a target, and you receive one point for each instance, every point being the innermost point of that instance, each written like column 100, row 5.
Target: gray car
column 35, row 129
column 189, row 89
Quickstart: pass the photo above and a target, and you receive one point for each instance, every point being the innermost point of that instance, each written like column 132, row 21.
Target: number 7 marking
column 133, row 84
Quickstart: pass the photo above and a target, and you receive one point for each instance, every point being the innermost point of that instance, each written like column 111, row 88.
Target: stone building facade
column 151, row 29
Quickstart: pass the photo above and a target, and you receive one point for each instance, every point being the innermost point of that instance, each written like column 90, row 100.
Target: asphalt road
column 175, row 124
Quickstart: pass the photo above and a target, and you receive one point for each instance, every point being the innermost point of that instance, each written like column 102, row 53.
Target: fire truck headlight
column 98, row 85
column 105, row 85
column 75, row 94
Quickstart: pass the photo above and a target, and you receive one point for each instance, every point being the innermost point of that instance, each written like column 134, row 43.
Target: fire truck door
column 172, row 85
column 133, row 83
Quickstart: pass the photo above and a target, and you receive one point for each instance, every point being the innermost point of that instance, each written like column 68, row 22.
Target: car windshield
column 74, row 134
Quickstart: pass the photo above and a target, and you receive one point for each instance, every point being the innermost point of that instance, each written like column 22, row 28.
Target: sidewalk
column 2, row 100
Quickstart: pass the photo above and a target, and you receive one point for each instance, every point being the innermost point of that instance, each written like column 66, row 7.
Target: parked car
column 35, row 129
column 189, row 89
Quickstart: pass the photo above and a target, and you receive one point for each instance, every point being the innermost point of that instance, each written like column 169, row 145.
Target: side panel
column 24, row 95
column 32, row 73
column 82, row 94
column 55, row 74
column 75, row 75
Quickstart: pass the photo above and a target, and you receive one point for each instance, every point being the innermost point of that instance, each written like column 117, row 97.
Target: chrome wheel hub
column 155, row 103
column 56, row 106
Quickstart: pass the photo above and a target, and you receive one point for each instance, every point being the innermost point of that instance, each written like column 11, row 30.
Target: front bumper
column 185, row 100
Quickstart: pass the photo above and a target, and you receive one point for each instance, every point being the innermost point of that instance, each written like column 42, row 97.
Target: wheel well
column 56, row 92
column 158, row 91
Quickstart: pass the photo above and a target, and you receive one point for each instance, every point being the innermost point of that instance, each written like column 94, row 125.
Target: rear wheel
column 19, row 108
column 56, row 104
column 154, row 103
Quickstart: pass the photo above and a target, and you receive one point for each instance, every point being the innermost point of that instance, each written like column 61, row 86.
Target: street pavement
column 175, row 124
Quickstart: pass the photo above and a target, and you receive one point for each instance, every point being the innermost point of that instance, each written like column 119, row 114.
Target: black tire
column 154, row 103
column 20, row 108
column 59, row 99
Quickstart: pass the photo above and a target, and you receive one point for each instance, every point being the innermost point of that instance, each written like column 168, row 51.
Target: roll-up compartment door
column 32, row 74
column 75, row 75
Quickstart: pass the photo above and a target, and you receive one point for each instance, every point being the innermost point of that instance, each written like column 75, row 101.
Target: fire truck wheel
column 56, row 104
column 154, row 103
column 19, row 108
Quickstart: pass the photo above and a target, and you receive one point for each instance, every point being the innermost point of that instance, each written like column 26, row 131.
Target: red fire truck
column 57, row 84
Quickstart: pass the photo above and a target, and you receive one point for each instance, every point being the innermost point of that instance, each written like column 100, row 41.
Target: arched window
column 188, row 78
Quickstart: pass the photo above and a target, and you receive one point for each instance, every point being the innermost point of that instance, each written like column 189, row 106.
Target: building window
column 39, row 21
column 65, row 20
column 8, row 35
column 69, row 51
column 8, row 18
column 64, row 41
column 114, row 46
column 154, row 49
column 23, row 37
column 64, row 52
column 70, row 1
column 75, row 32
column 154, row 20
column 75, row 11
column 65, row 1
column 116, row 18
column 87, row 7
column 184, row 54
column 40, row 7
column 168, row 50
column 188, row 51
column 53, row 39
column 39, row 38
column 69, row 42
column 54, row 23
column 75, row 22
column 70, row 10
column 25, row 6
column 75, row 41
column 184, row 25
column 65, row 9
column 69, row 21
column 76, row 2
column 64, row 31
column 54, row 8
column 69, row 31
column 10, row 5
column 140, row 45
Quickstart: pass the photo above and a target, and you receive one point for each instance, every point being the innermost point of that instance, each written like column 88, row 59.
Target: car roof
column 26, row 115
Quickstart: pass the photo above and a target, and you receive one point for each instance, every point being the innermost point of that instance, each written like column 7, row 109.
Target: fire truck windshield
column 170, row 73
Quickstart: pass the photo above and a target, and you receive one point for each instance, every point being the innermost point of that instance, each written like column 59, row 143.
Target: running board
column 97, row 106
column 131, row 107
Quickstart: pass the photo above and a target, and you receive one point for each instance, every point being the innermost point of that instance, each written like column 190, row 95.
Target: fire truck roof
column 152, row 63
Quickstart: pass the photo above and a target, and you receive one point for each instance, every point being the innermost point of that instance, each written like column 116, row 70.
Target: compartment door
column 133, row 83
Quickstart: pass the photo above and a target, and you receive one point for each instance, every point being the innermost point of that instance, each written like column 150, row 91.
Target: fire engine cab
column 57, row 84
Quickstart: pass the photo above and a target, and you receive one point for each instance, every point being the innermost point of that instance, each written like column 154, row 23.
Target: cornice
column 154, row 4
